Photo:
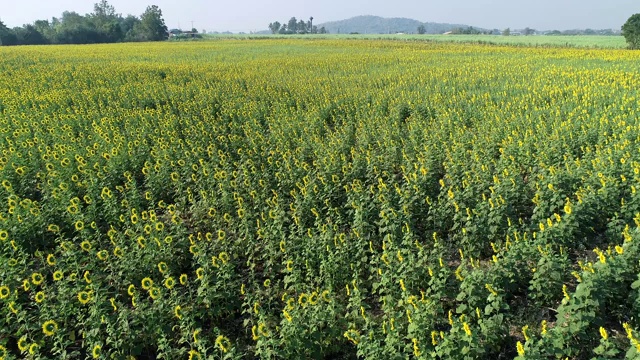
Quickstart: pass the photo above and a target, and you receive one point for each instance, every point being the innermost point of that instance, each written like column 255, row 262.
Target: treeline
column 103, row 25
column 295, row 26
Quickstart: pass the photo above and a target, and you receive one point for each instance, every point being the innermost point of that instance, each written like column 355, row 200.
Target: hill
column 378, row 25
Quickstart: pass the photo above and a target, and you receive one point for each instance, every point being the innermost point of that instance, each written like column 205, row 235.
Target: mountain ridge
column 370, row 24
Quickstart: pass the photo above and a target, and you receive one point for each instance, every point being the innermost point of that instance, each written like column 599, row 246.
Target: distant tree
column 152, row 26
column 466, row 31
column 106, row 22
column 292, row 26
column 555, row 32
column 127, row 25
column 283, row 29
column 194, row 30
column 7, row 36
column 29, row 35
column 275, row 27
column 45, row 28
column 311, row 24
column 422, row 30
column 301, row 27
column 323, row 31
column 631, row 31
column 506, row 32
column 529, row 31
column 74, row 28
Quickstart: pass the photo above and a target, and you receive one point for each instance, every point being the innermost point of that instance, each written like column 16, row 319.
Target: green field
column 322, row 198
column 580, row 41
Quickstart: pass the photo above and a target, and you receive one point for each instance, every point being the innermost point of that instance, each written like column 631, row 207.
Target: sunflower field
column 319, row 198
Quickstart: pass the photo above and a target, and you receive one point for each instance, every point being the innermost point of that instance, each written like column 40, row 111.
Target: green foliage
column 631, row 31
column 104, row 25
column 151, row 26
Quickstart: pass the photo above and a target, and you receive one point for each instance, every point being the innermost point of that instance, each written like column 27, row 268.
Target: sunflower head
column 49, row 328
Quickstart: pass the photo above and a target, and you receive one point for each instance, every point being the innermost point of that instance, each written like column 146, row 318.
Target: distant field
column 608, row 42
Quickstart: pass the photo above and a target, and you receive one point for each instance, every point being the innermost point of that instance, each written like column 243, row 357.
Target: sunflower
column 223, row 343
column 51, row 260
column 37, row 278
column 146, row 283
column 96, row 351
column 85, row 245
column 39, row 297
column 79, row 225
column 49, row 328
column 4, row 292
column 103, row 255
column 131, row 290
column 154, row 293
column 169, row 283
column 162, row 267
column 58, row 275
column 84, row 297
column 22, row 344
column 118, row 252
column 177, row 311
column 183, row 279
column 193, row 354
column 200, row 273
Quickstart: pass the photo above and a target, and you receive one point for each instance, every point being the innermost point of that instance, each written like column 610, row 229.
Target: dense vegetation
column 320, row 198
column 103, row 25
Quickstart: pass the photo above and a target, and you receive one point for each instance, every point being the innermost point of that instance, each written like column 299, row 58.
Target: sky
column 255, row 15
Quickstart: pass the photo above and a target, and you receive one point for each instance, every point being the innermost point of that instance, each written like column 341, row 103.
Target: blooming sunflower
column 146, row 283
column 49, row 327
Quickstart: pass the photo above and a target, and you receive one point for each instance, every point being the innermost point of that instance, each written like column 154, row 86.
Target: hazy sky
column 255, row 15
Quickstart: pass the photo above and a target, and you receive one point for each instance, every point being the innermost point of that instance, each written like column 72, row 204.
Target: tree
column 7, row 36
column 422, row 30
column 152, row 26
column 302, row 27
column 74, row 28
column 292, row 26
column 323, row 31
column 529, row 31
column 275, row 27
column 631, row 31
column 311, row 24
column 506, row 32
column 29, row 35
column 127, row 25
column 107, row 22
